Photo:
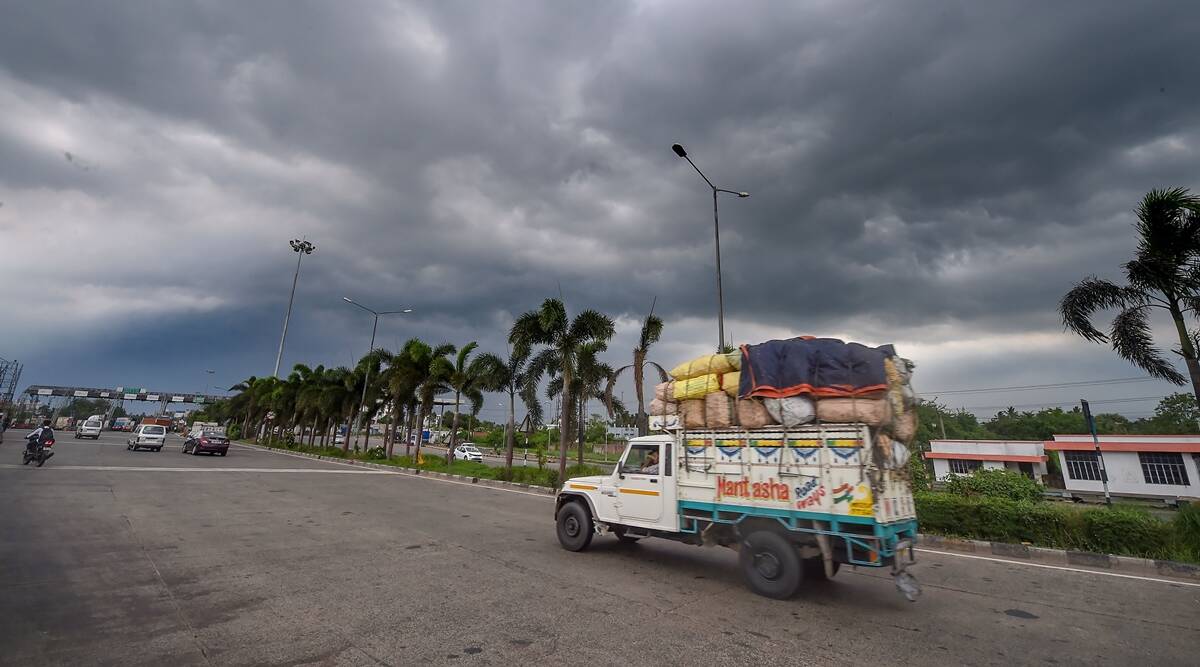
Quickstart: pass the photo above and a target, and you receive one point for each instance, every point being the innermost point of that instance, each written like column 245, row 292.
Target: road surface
column 122, row 558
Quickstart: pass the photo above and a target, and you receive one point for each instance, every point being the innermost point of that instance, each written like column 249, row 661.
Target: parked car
column 88, row 429
column 209, row 440
column 467, row 452
column 148, row 436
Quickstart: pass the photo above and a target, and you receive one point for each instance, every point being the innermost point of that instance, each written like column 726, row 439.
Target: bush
column 1186, row 528
column 1119, row 530
column 992, row 483
column 376, row 454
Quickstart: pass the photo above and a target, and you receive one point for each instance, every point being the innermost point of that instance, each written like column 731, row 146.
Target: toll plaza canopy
column 122, row 394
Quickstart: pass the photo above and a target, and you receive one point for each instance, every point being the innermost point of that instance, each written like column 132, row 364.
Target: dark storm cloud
column 929, row 172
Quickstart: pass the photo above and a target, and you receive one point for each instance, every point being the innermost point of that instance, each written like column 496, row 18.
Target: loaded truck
column 796, row 503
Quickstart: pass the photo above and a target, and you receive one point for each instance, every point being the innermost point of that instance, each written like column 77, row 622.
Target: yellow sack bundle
column 729, row 383
column 697, row 387
column 706, row 365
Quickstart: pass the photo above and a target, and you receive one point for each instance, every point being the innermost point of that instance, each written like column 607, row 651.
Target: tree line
column 547, row 348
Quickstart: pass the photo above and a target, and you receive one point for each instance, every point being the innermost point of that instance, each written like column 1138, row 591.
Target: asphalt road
column 119, row 558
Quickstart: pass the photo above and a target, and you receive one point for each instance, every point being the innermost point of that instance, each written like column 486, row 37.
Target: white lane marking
column 402, row 472
column 1060, row 567
column 167, row 469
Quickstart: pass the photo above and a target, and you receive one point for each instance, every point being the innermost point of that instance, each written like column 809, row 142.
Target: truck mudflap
column 906, row 583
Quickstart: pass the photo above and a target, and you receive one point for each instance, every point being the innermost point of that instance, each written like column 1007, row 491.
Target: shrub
column 992, row 483
column 1124, row 530
column 1119, row 530
column 376, row 453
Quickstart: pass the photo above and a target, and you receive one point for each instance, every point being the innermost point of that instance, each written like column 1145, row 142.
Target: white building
column 1153, row 466
column 960, row 457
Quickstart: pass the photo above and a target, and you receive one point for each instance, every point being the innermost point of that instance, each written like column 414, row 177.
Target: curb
column 416, row 472
column 1122, row 564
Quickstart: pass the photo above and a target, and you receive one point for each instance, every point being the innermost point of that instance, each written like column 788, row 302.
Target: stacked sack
column 706, row 390
column 791, row 383
column 664, row 409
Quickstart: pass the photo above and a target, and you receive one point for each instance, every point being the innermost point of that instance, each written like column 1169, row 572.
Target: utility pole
column 1091, row 424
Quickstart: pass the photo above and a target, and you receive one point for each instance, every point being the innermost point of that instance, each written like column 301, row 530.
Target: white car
column 467, row 452
column 88, row 429
column 148, row 436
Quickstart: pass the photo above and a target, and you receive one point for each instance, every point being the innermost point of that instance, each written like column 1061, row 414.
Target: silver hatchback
column 147, row 436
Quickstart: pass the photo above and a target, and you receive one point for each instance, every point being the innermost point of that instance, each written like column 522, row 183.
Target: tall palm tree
column 513, row 378
column 562, row 339
column 592, row 377
column 651, row 331
column 431, row 374
column 1164, row 274
column 470, row 378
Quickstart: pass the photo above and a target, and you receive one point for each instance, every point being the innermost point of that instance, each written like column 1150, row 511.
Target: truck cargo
column 797, row 502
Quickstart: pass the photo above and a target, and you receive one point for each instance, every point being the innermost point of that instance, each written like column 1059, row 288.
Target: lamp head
column 679, row 150
column 743, row 195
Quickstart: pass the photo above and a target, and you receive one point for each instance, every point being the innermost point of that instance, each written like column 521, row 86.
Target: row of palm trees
column 544, row 344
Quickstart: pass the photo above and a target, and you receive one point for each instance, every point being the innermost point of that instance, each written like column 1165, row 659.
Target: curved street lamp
column 367, row 377
column 717, row 234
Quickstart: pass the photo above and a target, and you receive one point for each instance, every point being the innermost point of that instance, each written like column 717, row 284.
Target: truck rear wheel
column 770, row 565
column 574, row 526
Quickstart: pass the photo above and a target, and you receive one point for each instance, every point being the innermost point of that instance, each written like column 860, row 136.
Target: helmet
column 45, row 422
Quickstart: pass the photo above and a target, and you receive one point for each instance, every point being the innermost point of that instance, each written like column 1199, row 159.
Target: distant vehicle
column 206, row 440
column 122, row 424
column 148, row 436
column 89, row 428
column 198, row 427
column 339, row 439
column 161, row 421
column 64, row 423
column 467, row 452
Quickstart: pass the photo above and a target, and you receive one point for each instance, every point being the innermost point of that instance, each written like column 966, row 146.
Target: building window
column 963, row 466
column 1083, row 465
column 1163, row 468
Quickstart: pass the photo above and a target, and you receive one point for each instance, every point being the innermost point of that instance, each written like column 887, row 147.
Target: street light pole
column 367, row 376
column 717, row 242
column 301, row 247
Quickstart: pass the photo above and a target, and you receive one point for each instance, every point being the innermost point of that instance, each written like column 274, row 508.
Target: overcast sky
column 931, row 174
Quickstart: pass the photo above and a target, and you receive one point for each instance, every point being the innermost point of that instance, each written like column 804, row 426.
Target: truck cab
column 796, row 504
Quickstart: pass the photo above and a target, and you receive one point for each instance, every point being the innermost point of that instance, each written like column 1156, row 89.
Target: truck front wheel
column 574, row 526
column 770, row 565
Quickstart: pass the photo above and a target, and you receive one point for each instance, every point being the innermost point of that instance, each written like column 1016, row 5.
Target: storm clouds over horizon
column 931, row 174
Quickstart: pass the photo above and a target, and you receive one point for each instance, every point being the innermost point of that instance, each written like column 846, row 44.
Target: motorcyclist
column 40, row 435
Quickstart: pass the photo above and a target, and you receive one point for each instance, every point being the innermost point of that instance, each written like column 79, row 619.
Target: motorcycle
column 36, row 450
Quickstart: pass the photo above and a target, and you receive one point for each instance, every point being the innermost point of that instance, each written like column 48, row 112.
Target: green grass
column 436, row 462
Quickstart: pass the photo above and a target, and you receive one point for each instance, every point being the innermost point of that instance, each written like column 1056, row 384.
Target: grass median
column 547, row 477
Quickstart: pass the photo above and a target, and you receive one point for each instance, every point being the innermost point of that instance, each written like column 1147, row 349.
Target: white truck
column 794, row 503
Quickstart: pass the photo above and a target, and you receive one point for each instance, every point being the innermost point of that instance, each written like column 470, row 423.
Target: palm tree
column 1164, row 274
column 431, row 372
column 335, row 396
column 513, row 378
column 469, row 380
column 562, row 339
column 591, row 375
column 651, row 331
